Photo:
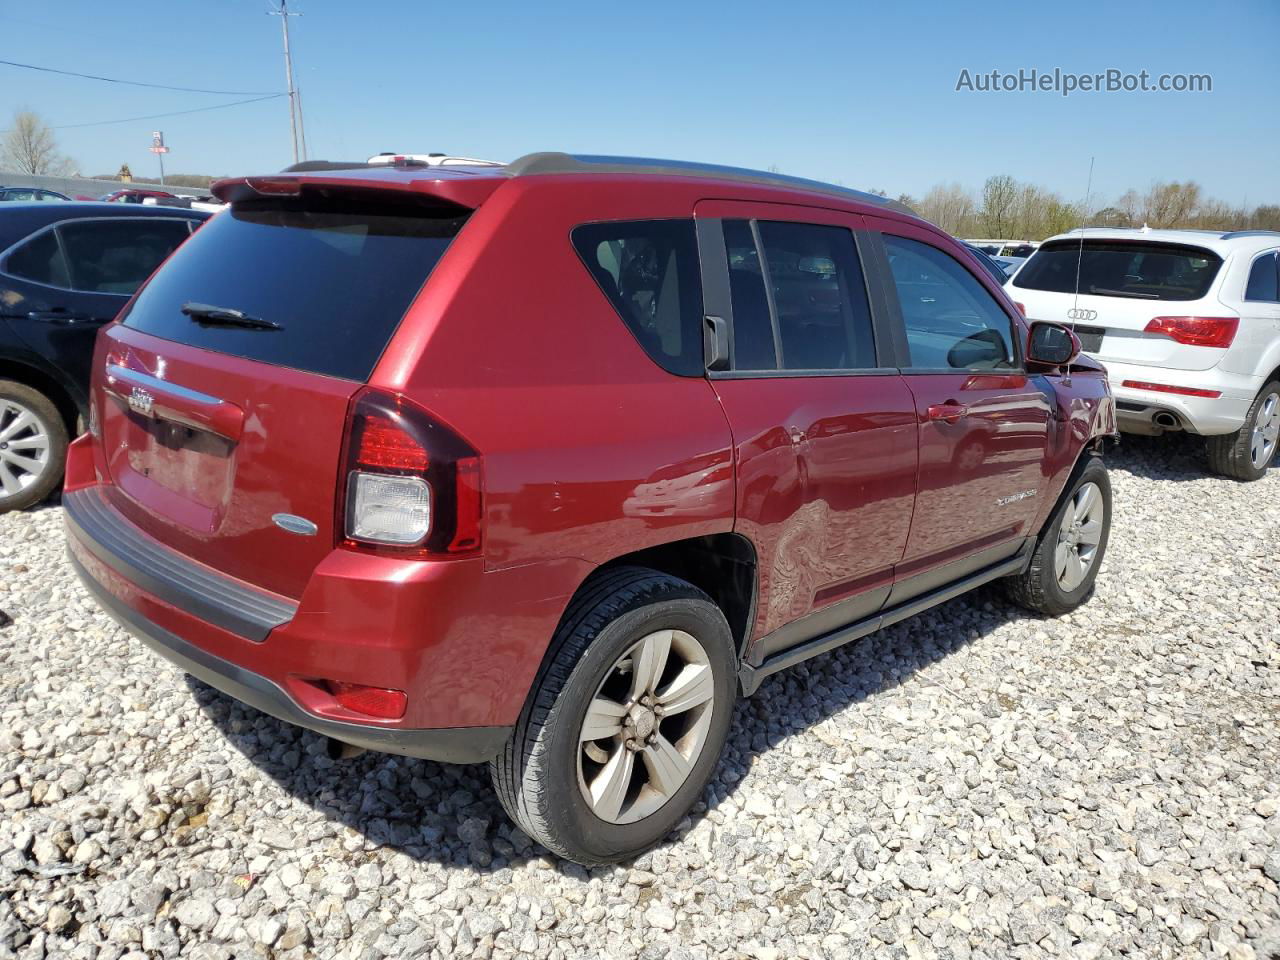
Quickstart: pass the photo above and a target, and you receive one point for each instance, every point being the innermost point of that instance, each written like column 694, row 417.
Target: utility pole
column 302, row 130
column 295, row 108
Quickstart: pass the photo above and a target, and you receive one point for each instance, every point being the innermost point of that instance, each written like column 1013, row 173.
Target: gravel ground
column 971, row 783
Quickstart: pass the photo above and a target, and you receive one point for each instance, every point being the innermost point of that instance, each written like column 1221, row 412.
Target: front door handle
column 949, row 412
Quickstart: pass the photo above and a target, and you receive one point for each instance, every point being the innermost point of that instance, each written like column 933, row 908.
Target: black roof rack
column 312, row 166
column 1250, row 233
column 542, row 163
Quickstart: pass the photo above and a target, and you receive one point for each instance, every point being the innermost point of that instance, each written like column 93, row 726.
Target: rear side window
column 336, row 275
column 819, row 298
column 1121, row 268
column 1263, row 281
column 952, row 322
column 115, row 256
column 40, row 259
column 649, row 271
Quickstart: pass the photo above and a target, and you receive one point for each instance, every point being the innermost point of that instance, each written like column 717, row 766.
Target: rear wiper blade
column 207, row 315
column 1124, row 293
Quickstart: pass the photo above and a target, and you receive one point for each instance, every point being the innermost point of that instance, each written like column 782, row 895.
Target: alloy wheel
column 24, row 448
column 1079, row 534
column 646, row 726
column 1266, row 432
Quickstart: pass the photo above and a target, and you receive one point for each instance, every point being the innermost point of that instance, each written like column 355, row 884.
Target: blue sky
column 862, row 94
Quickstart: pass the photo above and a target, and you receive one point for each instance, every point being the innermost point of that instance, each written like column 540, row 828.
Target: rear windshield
column 1121, row 268
column 336, row 276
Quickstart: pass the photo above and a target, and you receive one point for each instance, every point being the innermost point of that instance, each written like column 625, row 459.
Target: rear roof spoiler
column 465, row 193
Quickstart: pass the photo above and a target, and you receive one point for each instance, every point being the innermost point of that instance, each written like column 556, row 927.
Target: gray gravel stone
column 198, row 913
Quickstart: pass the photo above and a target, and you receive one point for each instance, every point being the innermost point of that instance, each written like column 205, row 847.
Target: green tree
column 999, row 195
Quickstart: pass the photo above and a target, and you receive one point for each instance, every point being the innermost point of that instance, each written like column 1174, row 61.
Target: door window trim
column 889, row 286
column 6, row 253
column 718, row 300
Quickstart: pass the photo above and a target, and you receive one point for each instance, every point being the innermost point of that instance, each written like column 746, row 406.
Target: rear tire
column 33, row 446
column 609, row 797
column 1246, row 454
column 1066, row 559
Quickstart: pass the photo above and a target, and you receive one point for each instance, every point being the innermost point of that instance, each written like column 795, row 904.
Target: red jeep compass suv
column 543, row 465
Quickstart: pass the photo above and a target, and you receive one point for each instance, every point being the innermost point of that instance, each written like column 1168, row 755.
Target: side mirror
column 1051, row 344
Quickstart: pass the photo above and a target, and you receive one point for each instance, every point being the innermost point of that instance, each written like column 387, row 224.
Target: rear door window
column 802, row 305
column 40, row 259
column 1121, row 268
column 1263, row 281
column 952, row 322
column 116, row 256
column 336, row 275
column 648, row 269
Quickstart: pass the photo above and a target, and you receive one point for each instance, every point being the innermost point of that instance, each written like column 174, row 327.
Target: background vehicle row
column 65, row 271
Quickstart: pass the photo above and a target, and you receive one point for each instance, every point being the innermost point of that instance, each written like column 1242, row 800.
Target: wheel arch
column 721, row 565
column 48, row 384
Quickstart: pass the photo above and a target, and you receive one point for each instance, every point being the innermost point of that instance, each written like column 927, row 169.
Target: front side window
column 1263, row 281
column 40, row 259
column 115, row 256
column 649, row 271
column 952, row 322
column 803, row 304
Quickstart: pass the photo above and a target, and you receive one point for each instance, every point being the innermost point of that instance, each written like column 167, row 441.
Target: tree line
column 1006, row 208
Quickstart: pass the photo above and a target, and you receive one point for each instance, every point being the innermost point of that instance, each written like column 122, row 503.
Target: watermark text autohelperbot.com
column 1065, row 83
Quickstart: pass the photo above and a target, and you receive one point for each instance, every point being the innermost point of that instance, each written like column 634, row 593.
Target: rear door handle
column 949, row 412
column 58, row 316
column 715, row 342
column 152, row 397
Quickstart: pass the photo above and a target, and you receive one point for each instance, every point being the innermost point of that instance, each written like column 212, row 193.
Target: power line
column 175, row 113
column 137, row 83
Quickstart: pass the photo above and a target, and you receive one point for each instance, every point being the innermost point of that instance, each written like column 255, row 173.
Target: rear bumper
column 1136, row 408
column 463, row 642
column 453, row 745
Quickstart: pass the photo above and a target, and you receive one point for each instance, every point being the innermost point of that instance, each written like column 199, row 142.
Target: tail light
column 1197, row 331
column 410, row 485
column 1022, row 307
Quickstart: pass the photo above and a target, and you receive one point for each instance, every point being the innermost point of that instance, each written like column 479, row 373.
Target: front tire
column 626, row 721
column 33, row 446
column 1247, row 453
column 1069, row 552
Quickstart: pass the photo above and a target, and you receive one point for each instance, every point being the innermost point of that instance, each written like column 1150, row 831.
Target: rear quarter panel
column 590, row 449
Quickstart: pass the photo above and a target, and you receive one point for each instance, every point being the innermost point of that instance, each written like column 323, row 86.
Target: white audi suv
column 1187, row 323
